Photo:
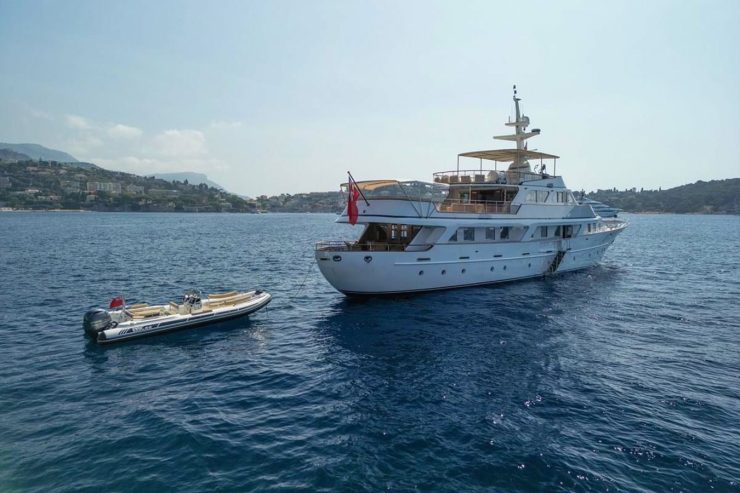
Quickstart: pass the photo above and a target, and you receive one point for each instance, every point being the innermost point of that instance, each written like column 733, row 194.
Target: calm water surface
column 624, row 377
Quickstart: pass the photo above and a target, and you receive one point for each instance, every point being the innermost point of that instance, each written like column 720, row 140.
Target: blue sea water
column 623, row 377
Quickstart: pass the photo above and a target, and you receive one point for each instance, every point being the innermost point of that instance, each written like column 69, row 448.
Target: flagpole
column 352, row 180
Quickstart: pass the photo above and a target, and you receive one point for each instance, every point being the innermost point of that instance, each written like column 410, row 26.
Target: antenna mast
column 520, row 134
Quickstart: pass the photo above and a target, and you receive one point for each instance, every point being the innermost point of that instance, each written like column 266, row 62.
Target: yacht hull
column 447, row 266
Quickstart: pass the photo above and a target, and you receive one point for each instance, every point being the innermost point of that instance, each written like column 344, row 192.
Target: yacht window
column 532, row 196
column 557, row 232
column 504, row 233
column 567, row 231
column 490, row 233
column 394, row 231
column 404, row 231
column 543, row 231
column 571, row 199
column 561, row 197
column 468, row 234
column 542, row 196
column 589, row 227
column 454, row 236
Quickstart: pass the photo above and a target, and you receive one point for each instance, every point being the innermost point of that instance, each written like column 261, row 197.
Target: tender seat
column 222, row 295
column 146, row 312
column 232, row 300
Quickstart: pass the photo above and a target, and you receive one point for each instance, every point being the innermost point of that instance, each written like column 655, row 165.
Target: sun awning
column 506, row 155
column 375, row 184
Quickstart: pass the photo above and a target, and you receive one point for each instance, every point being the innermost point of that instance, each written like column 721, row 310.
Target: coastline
column 87, row 211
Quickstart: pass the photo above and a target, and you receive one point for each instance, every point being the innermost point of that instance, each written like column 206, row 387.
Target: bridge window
column 537, row 196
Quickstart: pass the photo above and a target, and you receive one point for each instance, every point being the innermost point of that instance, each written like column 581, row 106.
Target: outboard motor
column 96, row 321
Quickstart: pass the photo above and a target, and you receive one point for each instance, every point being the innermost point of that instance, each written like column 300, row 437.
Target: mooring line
column 305, row 278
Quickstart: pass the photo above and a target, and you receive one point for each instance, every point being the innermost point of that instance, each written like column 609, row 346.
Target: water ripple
column 623, row 377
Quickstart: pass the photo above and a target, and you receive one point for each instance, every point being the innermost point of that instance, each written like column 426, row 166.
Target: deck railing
column 467, row 176
column 370, row 246
column 477, row 176
column 477, row 206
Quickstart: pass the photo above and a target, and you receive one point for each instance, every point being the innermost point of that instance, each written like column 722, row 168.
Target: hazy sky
column 277, row 96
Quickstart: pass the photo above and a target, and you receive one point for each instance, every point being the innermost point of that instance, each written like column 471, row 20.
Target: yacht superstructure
column 469, row 227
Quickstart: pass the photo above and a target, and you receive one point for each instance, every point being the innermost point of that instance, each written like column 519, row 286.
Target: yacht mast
column 519, row 136
column 519, row 123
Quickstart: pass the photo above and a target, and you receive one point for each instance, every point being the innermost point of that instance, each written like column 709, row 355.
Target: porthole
column 529, row 265
column 493, row 269
column 421, row 272
column 463, row 271
column 337, row 258
column 504, row 267
column 444, row 272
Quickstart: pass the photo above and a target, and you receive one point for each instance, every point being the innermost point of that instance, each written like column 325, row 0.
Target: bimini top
column 506, row 155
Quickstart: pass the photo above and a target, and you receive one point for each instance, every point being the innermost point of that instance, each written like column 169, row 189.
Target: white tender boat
column 121, row 322
column 469, row 227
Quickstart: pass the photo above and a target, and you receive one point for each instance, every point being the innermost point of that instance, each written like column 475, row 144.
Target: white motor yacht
column 600, row 208
column 471, row 226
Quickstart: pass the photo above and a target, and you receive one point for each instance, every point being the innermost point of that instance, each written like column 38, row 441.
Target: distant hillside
column 35, row 151
column 84, row 165
column 702, row 197
column 192, row 178
column 8, row 155
column 44, row 185
column 302, row 202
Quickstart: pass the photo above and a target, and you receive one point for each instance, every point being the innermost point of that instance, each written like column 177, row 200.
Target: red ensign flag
column 116, row 302
column 352, row 203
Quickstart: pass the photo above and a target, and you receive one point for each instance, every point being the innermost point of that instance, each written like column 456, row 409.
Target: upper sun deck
column 513, row 175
